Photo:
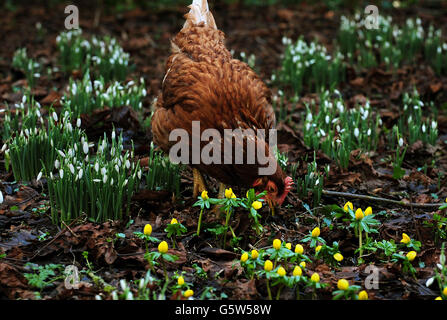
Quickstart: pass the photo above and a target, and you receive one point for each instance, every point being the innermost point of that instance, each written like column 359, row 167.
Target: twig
column 379, row 199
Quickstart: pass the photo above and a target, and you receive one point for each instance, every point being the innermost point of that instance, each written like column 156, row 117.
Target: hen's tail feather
column 199, row 13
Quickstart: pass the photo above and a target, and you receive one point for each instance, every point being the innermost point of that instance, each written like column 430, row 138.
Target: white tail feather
column 199, row 13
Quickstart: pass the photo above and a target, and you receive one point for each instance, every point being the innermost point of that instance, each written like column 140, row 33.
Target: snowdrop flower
column 104, row 180
column 103, row 171
column 3, row 148
column 61, row 173
column 85, row 147
column 434, row 124
column 113, row 135
column 72, row 170
column 1, row 197
column 125, row 182
column 139, row 174
column 423, row 128
column 117, row 168
column 356, row 132
column 81, row 172
column 327, row 119
column 127, row 164
column 55, row 116
column 401, row 142
column 56, row 164
column 61, row 153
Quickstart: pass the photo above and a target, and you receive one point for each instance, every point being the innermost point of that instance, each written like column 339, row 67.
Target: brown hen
column 204, row 83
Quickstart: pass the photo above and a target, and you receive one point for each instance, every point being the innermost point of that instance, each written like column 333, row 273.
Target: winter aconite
column 368, row 211
column 257, row 205
column 188, row 293
column 163, row 247
column 204, row 195
column 299, row 249
column 147, row 230
column 348, row 205
column 316, row 232
column 315, row 277
column 297, row 271
column 405, row 239
column 359, row 214
column 254, row 254
column 363, row 295
column 338, row 256
column 277, row 244
column 244, row 257
column 281, row 272
column 411, row 255
column 268, row 265
column 180, row 281
column 343, row 284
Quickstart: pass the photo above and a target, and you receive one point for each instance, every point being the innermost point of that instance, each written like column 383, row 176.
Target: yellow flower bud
column 315, row 277
column 233, row 196
column 254, row 254
column 343, row 284
column 316, row 232
column 205, row 195
column 297, row 271
column 281, row 272
column 277, row 244
column 174, row 221
column 299, row 249
column 348, row 205
column 163, row 247
column 359, row 214
column 268, row 265
column 244, row 257
column 444, row 292
column 228, row 193
column 368, row 211
column 303, row 264
column 405, row 238
column 363, row 295
column 188, row 293
column 147, row 229
column 317, row 249
column 289, row 246
column 438, row 298
column 411, row 255
column 338, row 256
column 257, row 205
column 180, row 281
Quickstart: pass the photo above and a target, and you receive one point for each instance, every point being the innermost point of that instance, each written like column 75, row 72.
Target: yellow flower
column 316, row 232
column 438, row 298
column 277, row 244
column 359, row 214
column 257, row 205
column 229, row 193
column 163, row 247
column 233, row 196
column 343, row 284
column 303, row 264
column 174, row 221
column 338, row 256
column 363, row 295
column 297, row 271
column 411, row 255
column 315, row 277
column 188, row 293
column 444, row 292
column 244, row 257
column 289, row 246
column 405, row 238
column 254, row 254
column 317, row 249
column 281, row 272
column 348, row 205
column 205, row 195
column 180, row 281
column 147, row 229
column 368, row 211
column 299, row 249
column 268, row 265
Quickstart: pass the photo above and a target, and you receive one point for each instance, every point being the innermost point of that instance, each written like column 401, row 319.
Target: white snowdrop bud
column 69, row 127
column 401, row 142
column 127, row 164
column 55, row 116
column 356, row 132
column 104, row 179
column 78, row 123
column 113, row 135
column 61, row 153
column 1, row 197
column 139, row 174
column 327, row 119
column 72, row 169
column 80, row 174
column 103, row 171
column 423, row 128
column 111, row 182
column 61, row 173
column 85, row 147
column 39, row 176
column 434, row 124
column 96, row 166
column 369, row 132
column 317, row 182
column 56, row 164
column 125, row 182
column 3, row 148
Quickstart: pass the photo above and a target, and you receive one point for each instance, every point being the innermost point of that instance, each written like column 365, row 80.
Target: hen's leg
column 199, row 183
column 221, row 191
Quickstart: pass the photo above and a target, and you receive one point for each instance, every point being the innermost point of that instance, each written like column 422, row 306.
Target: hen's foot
column 199, row 183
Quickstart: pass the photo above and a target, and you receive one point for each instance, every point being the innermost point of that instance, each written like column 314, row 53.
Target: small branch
column 379, row 199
